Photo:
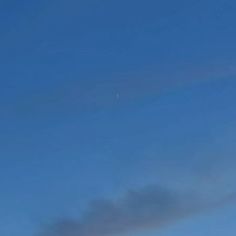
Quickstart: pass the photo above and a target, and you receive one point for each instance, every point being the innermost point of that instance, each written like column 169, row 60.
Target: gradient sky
column 101, row 97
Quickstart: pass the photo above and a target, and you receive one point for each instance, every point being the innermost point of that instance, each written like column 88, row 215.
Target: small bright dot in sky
column 117, row 117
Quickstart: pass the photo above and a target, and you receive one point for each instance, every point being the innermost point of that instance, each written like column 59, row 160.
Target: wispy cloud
column 148, row 208
column 99, row 93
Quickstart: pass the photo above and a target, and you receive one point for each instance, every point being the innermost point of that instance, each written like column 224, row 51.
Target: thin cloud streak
column 98, row 94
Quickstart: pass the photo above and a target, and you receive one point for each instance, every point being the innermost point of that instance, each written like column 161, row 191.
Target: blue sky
column 127, row 103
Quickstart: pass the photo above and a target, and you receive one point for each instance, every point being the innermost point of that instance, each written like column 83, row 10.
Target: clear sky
column 117, row 117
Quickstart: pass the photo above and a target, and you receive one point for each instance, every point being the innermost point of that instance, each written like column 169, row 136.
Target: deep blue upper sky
column 99, row 97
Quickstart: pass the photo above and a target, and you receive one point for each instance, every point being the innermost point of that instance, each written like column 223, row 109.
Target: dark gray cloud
column 148, row 208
